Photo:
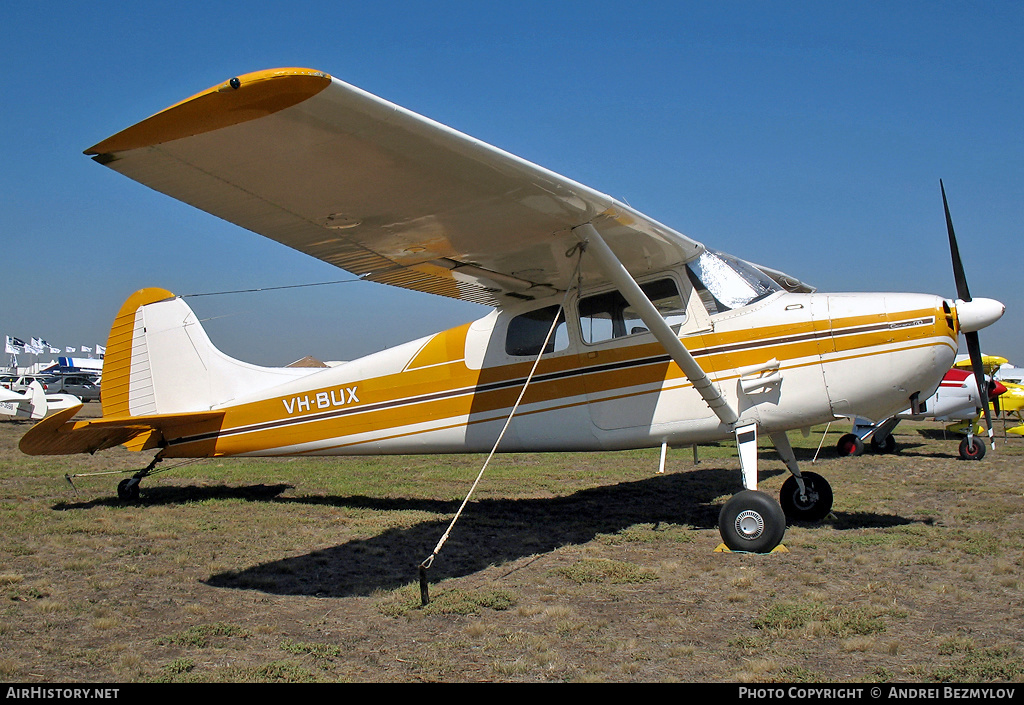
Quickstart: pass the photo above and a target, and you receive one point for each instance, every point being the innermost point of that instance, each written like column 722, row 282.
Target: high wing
column 384, row 193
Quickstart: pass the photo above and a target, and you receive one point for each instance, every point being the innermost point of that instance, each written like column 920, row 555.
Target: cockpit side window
column 526, row 332
column 724, row 282
column 608, row 315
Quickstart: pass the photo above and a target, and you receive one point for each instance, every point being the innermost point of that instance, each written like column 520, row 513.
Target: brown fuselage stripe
column 553, row 376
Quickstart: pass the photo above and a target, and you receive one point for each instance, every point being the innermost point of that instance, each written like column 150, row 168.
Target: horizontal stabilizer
column 30, row 404
column 59, row 435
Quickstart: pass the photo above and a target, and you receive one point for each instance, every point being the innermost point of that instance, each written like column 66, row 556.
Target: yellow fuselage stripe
column 430, row 390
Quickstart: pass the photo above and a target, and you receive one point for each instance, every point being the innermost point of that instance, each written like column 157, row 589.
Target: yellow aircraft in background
column 609, row 330
column 1010, row 401
column 957, row 398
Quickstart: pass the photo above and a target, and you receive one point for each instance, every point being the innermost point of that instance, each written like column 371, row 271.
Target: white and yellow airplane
column 609, row 330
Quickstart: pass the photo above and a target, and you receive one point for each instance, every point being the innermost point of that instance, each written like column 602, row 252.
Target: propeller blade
column 974, row 350
column 962, row 291
column 964, row 294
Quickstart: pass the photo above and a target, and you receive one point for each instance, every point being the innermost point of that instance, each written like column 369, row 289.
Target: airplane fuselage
column 787, row 361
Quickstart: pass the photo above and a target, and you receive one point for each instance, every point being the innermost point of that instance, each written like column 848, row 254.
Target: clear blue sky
column 807, row 136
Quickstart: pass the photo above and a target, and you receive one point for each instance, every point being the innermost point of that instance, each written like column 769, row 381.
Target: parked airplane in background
column 609, row 330
column 957, row 399
column 1005, row 372
column 34, row 402
column 1010, row 402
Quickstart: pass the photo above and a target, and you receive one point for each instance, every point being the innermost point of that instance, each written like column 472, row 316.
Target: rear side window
column 526, row 333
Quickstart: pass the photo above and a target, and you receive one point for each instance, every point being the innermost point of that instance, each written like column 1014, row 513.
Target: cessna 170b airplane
column 609, row 330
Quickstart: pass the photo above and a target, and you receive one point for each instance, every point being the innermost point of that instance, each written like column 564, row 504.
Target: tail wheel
column 128, row 490
column 751, row 521
column 816, row 502
column 972, row 449
column 850, row 444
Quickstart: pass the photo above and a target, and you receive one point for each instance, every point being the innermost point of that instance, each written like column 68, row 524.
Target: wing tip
column 239, row 99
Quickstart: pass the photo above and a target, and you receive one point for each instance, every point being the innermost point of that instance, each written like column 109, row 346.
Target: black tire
column 751, row 521
column 969, row 451
column 128, row 490
column 886, row 444
column 850, row 444
column 815, row 505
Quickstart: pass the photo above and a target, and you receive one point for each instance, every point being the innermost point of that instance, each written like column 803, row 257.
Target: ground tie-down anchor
column 424, row 585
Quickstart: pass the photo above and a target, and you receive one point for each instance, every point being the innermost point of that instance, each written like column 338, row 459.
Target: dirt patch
column 586, row 567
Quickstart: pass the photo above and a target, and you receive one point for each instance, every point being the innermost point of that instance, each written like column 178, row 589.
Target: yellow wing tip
column 239, row 99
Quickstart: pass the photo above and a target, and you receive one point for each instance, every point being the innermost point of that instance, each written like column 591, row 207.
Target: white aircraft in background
column 609, row 330
column 34, row 402
column 957, row 399
column 1009, row 373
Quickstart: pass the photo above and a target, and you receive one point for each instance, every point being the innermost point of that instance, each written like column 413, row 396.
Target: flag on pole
column 14, row 346
column 101, row 349
column 68, row 348
column 86, row 349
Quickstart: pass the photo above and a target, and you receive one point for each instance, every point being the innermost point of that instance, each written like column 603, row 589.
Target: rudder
column 117, row 361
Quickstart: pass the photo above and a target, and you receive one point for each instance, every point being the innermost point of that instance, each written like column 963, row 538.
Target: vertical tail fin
column 159, row 360
column 161, row 379
column 117, row 361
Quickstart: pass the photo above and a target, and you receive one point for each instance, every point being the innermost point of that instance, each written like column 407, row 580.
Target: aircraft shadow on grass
column 494, row 532
column 490, row 531
column 160, row 496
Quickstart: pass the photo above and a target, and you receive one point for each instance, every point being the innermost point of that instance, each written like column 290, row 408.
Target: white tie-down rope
column 444, row 537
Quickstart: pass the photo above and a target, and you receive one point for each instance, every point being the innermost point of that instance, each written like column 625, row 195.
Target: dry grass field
column 579, row 568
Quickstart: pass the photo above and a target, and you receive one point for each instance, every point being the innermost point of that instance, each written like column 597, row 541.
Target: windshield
column 725, row 282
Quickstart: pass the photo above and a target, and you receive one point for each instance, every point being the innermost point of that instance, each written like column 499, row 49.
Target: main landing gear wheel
column 850, row 444
column 886, row 444
column 816, row 502
column 128, row 490
column 972, row 449
column 752, row 521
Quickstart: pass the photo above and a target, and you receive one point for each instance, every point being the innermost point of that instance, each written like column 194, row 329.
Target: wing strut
column 655, row 323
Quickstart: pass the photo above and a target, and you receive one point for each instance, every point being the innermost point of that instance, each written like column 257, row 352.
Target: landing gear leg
column 805, row 496
column 751, row 521
column 128, row 490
